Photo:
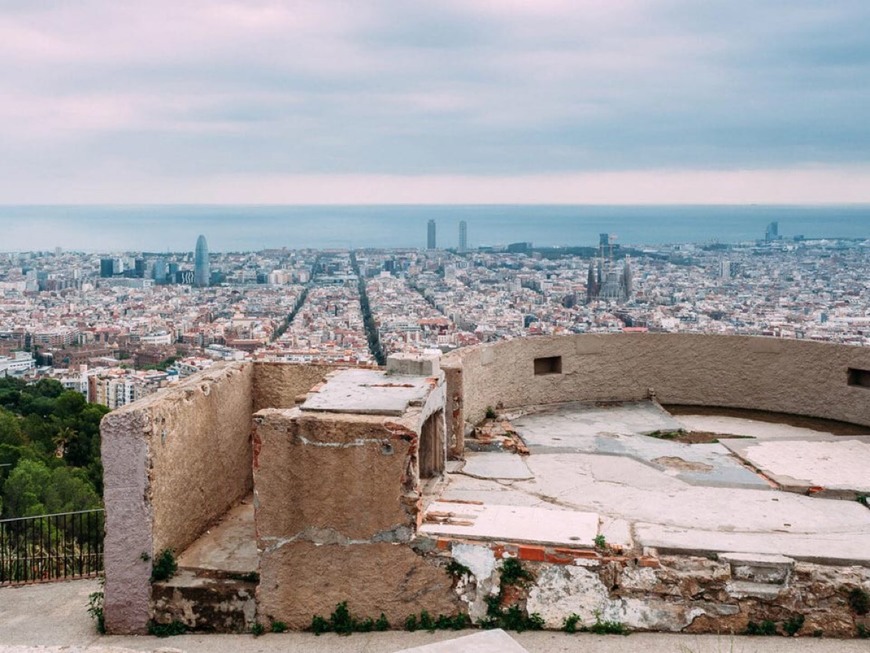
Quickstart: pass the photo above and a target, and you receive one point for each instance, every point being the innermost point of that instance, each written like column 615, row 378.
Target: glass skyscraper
column 201, row 271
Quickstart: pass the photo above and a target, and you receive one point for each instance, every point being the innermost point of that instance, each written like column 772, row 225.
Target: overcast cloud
column 442, row 101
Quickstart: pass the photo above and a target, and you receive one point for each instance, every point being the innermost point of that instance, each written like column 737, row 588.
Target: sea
column 248, row 228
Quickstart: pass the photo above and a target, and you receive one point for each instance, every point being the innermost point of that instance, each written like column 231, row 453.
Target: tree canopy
column 49, row 449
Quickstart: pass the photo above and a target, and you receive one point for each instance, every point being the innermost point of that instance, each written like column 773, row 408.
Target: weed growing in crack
column 164, row 567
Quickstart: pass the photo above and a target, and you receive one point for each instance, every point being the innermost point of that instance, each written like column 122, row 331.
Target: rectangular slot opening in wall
column 548, row 365
column 860, row 378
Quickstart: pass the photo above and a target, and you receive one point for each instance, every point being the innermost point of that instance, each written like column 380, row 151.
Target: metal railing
column 51, row 547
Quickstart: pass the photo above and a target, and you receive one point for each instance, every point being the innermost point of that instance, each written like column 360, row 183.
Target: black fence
column 51, row 547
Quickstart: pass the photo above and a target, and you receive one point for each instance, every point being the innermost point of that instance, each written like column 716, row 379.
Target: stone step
column 759, row 568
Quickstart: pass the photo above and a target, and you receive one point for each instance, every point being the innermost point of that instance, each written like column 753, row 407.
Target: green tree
column 69, row 490
column 10, row 429
column 24, row 489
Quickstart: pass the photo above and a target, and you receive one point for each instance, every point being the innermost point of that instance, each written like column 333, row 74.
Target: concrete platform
column 490, row 641
column 619, row 430
column 511, row 524
column 504, row 465
column 368, row 392
column 230, row 546
column 563, row 425
column 834, row 465
column 628, row 480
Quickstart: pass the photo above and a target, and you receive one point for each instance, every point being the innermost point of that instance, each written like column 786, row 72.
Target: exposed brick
column 532, row 553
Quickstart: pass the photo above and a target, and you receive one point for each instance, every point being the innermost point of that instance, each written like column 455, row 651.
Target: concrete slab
column 229, row 546
column 832, row 463
column 490, row 641
column 619, row 488
column 617, row 430
column 505, row 465
column 368, row 392
column 822, row 548
column 511, row 524
column 561, row 425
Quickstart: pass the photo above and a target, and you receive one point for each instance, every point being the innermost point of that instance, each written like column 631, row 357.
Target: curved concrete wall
column 787, row 376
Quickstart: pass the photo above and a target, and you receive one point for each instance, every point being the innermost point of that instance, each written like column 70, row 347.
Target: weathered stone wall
column 277, row 385
column 334, row 477
column 779, row 375
column 173, row 463
column 664, row 593
column 337, row 502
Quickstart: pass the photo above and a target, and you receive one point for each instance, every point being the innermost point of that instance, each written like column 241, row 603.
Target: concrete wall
column 788, row 376
column 337, row 502
column 276, row 385
column 174, row 463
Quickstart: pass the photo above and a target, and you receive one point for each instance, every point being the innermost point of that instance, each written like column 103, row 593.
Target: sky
column 444, row 101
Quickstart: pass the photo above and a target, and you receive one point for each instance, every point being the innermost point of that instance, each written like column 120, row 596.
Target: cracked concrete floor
column 640, row 501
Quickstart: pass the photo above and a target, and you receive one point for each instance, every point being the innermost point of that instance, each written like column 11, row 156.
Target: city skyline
column 450, row 102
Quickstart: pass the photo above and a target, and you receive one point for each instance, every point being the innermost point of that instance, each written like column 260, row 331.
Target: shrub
column 570, row 623
column 164, row 567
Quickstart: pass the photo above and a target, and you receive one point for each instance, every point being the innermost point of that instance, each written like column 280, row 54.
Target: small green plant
column 278, row 627
column 765, row 628
column 608, row 627
column 457, row 569
column 319, row 625
column 340, row 620
column 513, row 573
column 570, row 623
column 174, row 627
column 95, row 609
column 411, row 623
column 818, row 632
column 511, row 618
column 792, row 625
column 490, row 412
column 862, row 631
column 864, row 500
column 426, row 621
column 164, row 567
column 859, row 601
column 367, row 625
column 257, row 629
column 456, row 622
column 600, row 541
column 666, row 435
column 144, row 556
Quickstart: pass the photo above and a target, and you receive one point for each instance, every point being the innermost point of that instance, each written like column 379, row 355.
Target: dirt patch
column 674, row 462
column 695, row 437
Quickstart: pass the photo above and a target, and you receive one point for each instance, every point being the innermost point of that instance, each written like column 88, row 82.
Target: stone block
column 300, row 580
column 414, row 364
column 340, row 476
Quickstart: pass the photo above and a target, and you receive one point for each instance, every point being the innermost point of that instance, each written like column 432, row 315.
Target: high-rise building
column 772, row 231
column 107, row 267
column 463, row 236
column 201, row 271
column 160, row 270
column 430, row 235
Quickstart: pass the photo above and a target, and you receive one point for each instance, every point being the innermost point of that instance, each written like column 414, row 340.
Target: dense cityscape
column 118, row 326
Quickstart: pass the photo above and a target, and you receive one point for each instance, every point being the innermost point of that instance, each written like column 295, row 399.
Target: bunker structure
column 533, row 479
